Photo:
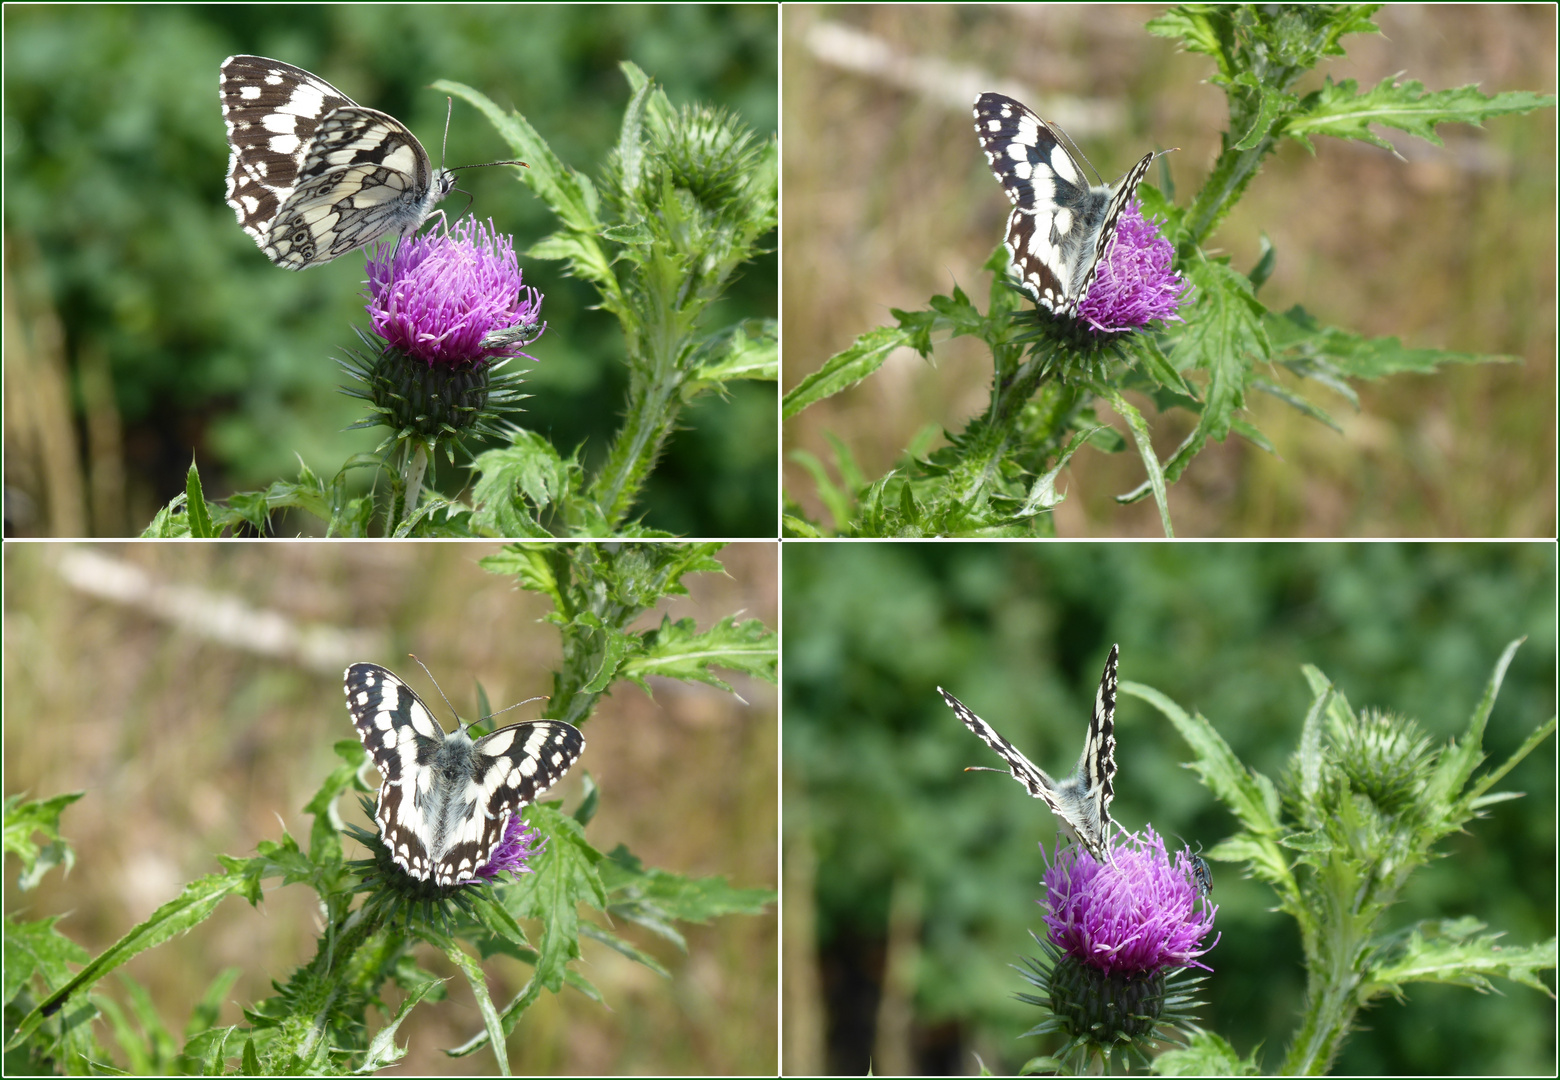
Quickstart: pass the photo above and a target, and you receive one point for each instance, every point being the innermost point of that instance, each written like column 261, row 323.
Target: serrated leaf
column 1206, row 1054
column 1296, row 335
column 678, row 650
column 847, row 368
column 1225, row 337
column 193, row 905
column 539, row 568
column 795, row 526
column 566, row 876
column 1042, row 493
column 1145, row 445
column 1455, row 951
column 1342, row 111
column 195, row 506
column 745, row 351
column 685, row 899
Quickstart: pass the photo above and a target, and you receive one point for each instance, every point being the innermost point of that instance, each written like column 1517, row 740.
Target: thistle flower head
column 1120, row 941
column 1136, row 915
column 1135, row 283
column 437, row 296
column 448, row 311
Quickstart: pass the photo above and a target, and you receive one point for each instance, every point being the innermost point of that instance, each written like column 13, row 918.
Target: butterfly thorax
column 445, row 796
column 1075, row 227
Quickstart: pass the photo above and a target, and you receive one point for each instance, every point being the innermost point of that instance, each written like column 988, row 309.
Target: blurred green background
column 910, row 885
column 888, row 201
column 194, row 693
column 144, row 327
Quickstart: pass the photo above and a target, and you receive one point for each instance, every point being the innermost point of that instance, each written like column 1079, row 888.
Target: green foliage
column 1206, row 1054
column 317, row 1020
column 984, row 482
column 689, row 193
column 1363, row 804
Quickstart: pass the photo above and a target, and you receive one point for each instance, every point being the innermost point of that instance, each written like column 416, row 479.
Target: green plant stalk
column 412, row 476
column 314, row 989
column 1331, row 1001
column 992, row 434
column 656, row 330
column 1232, row 173
column 651, row 417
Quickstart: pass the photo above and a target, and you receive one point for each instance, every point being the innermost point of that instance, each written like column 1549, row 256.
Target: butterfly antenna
column 444, row 147
column 437, row 687
column 516, row 705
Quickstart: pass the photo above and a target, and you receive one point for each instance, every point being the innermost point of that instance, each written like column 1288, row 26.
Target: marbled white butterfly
column 314, row 175
column 1061, row 226
column 446, row 798
column 1082, row 801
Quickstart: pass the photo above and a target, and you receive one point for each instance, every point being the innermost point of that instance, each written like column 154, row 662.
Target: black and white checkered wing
column 312, row 174
column 1026, row 772
column 1061, row 226
column 1082, row 801
column 446, row 800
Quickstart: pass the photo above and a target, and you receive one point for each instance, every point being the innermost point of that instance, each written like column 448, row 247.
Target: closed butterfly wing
column 313, row 175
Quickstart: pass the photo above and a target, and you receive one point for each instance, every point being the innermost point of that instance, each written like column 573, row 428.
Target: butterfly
column 1081, row 802
column 314, row 175
column 447, row 798
column 1061, row 226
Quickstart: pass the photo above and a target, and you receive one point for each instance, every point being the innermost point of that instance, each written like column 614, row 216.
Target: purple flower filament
column 1135, row 283
column 438, row 295
column 1140, row 914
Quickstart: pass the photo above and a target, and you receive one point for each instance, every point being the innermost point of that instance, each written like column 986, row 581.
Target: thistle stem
column 411, row 481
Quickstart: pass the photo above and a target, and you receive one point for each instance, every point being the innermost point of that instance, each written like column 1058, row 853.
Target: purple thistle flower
column 513, row 852
column 1121, row 939
column 449, row 311
column 1139, row 914
column 437, row 296
column 1135, row 283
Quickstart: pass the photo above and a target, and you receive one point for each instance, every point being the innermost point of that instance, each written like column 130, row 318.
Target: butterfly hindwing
column 1081, row 802
column 1061, row 227
column 313, row 175
column 446, row 798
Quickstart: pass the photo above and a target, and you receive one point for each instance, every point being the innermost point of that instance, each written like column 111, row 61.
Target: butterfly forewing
column 447, row 799
column 1061, row 226
column 1081, row 802
column 314, row 175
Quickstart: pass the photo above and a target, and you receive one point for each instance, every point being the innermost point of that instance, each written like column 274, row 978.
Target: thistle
column 1121, row 939
column 449, row 311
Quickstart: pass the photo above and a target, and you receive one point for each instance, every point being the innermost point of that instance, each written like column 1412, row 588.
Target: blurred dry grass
column 886, row 201
column 188, row 746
